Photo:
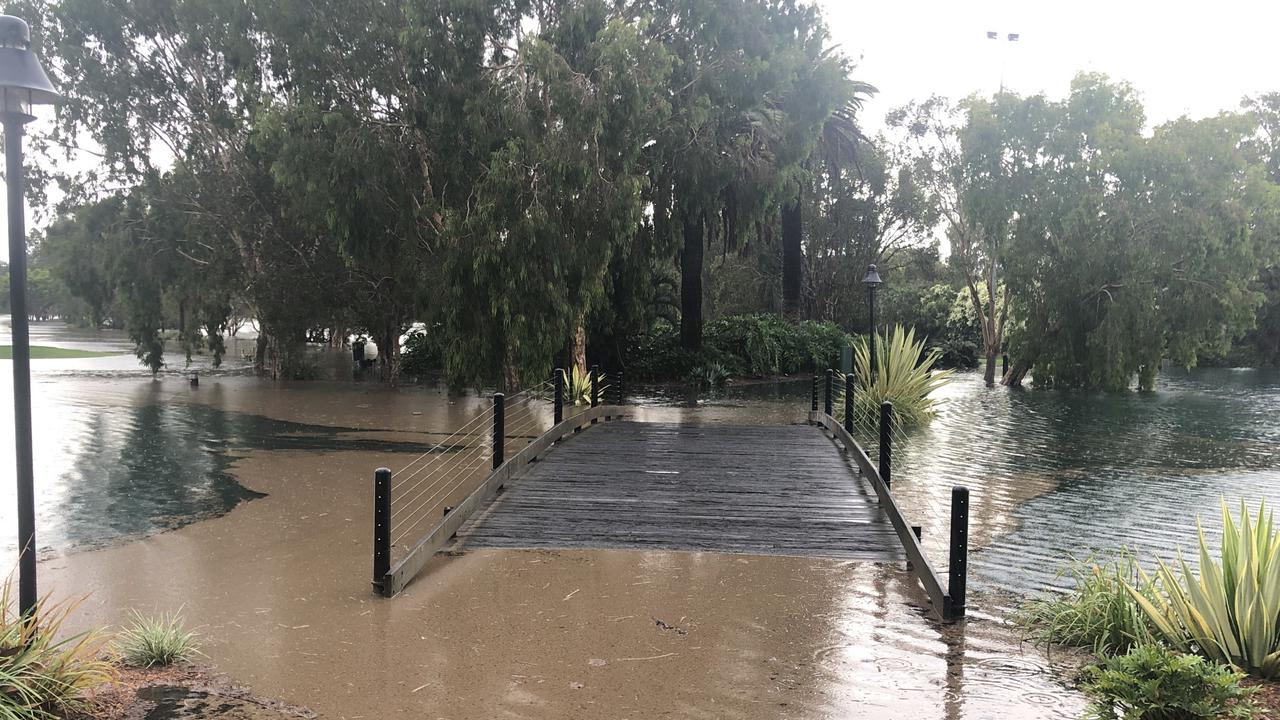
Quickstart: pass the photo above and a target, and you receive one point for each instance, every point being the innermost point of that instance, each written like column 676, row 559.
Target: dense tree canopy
column 538, row 181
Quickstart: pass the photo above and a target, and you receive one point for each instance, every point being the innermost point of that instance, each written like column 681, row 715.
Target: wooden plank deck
column 756, row 490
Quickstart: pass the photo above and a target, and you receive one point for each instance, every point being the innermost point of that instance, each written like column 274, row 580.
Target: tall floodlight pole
column 872, row 281
column 1009, row 37
column 23, row 84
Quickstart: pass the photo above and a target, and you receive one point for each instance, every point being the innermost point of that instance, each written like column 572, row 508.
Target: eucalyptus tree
column 561, row 193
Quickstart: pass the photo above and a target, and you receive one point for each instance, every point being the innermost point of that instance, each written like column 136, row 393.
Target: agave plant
column 904, row 376
column 1229, row 611
column 577, row 386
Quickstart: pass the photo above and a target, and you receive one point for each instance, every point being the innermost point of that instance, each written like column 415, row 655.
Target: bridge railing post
column 557, row 385
column 813, row 404
column 830, row 380
column 958, row 562
column 886, row 442
column 595, row 385
column 381, row 528
column 848, row 403
column 499, row 429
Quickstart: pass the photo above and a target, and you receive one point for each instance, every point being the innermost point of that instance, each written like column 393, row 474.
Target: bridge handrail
column 390, row 577
column 949, row 603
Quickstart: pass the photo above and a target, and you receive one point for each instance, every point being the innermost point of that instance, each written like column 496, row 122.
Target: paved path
column 780, row 490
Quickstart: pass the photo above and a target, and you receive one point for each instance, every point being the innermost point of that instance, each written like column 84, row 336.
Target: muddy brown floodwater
column 278, row 589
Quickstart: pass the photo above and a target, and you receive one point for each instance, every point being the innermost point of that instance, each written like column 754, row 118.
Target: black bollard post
column 886, row 441
column 195, row 379
column 595, row 385
column 813, row 405
column 830, row 380
column 381, row 528
column 959, row 560
column 1004, row 364
column 848, row 403
column 558, row 384
column 499, row 428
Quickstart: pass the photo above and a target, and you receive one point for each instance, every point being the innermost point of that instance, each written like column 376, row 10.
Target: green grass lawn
column 44, row 352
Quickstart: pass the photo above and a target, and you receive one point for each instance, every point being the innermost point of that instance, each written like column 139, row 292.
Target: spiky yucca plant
column 44, row 674
column 904, row 376
column 1229, row 610
column 577, row 386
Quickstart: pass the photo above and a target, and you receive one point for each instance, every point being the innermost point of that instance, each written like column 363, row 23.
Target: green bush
column 422, row 354
column 1152, row 682
column 159, row 640
column 45, row 674
column 1098, row 613
column 740, row 345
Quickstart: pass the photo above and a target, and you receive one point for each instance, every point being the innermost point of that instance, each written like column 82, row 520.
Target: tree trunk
column 578, row 348
column 1016, row 374
column 260, row 352
column 691, row 283
column 389, row 355
column 792, row 258
column 993, row 357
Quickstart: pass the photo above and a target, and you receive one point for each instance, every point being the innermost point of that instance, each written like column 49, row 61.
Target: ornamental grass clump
column 1097, row 613
column 1228, row 610
column 577, row 386
column 159, row 640
column 904, row 376
column 44, row 674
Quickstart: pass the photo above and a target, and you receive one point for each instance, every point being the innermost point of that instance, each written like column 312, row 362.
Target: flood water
column 120, row 455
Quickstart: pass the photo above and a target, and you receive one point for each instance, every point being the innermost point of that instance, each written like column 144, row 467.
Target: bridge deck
column 754, row 490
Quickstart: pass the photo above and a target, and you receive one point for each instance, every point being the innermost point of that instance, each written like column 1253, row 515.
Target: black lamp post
column 23, row 85
column 872, row 281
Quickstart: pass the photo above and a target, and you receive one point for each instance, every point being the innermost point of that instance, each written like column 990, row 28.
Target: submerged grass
column 1099, row 613
column 44, row 352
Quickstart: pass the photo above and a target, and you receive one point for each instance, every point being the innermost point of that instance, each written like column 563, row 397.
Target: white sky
column 1185, row 58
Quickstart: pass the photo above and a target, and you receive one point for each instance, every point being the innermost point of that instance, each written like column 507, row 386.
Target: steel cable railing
column 848, row 420
column 413, row 505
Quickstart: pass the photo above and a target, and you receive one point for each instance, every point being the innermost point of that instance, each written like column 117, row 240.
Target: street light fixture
column 872, row 281
column 23, row 85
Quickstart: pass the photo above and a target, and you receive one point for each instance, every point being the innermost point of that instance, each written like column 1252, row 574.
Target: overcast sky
column 1186, row 58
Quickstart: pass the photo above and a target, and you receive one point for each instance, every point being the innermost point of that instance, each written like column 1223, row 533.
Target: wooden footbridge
column 598, row 480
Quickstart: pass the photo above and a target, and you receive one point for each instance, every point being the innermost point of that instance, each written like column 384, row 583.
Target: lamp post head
column 23, row 82
column 872, row 280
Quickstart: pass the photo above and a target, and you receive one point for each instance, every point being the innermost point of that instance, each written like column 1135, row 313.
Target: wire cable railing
column 850, row 418
column 412, row 504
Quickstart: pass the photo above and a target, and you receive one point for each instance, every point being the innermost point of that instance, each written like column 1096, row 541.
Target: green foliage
column 1229, row 611
column 578, row 384
column 740, row 345
column 904, row 376
column 423, row 353
column 44, row 672
column 1098, row 613
column 158, row 640
column 1152, row 682
column 711, row 376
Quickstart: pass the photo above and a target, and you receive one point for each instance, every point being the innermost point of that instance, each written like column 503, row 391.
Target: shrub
column 1098, row 613
column 577, row 386
column 710, row 376
column 904, row 376
column 1229, row 611
column 43, row 677
column 1152, row 682
column 422, row 354
column 159, row 640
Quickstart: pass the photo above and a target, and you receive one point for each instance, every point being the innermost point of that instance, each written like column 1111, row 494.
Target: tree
column 1136, row 250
